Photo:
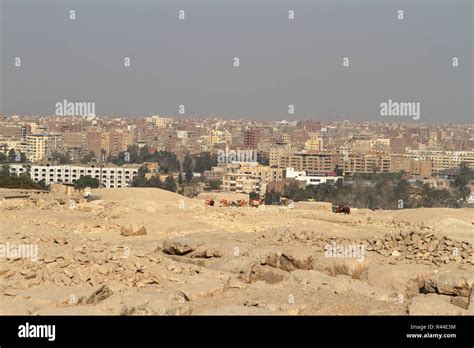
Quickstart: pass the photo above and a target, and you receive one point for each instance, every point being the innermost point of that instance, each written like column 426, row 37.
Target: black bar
column 213, row 330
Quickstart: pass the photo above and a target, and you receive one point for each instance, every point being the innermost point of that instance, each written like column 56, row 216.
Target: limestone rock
column 133, row 231
column 457, row 283
column 460, row 301
column 97, row 296
column 432, row 304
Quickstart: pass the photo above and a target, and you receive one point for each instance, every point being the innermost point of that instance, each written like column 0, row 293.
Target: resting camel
column 341, row 209
column 224, row 203
column 256, row 202
column 209, row 202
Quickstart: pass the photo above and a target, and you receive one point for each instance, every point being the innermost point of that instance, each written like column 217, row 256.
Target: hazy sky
column 282, row 61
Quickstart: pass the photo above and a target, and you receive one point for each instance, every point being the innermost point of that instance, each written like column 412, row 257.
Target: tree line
column 382, row 191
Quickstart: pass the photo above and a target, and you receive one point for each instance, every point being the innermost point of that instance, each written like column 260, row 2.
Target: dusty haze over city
column 236, row 157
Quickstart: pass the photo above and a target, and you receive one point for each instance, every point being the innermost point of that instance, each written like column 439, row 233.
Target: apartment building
column 242, row 183
column 36, row 147
column 12, row 131
column 314, row 143
column 16, row 145
column 246, row 177
column 19, row 169
column 115, row 142
column 251, row 138
column 322, row 162
column 365, row 164
column 218, row 136
column 411, row 166
column 414, row 164
column 108, row 176
column 285, row 138
column 73, row 140
column 160, row 122
column 93, row 142
column 261, row 172
column 275, row 153
column 312, row 178
column 442, row 160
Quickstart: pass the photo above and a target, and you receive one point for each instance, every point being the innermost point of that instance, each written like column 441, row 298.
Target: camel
column 242, row 203
column 209, row 202
column 256, row 202
column 224, row 203
column 286, row 202
column 341, row 209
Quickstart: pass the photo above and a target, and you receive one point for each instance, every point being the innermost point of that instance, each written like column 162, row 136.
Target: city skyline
column 308, row 64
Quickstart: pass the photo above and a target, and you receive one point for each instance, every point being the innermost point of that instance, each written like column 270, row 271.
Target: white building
column 16, row 145
column 108, row 176
column 470, row 200
column 19, row 169
column 160, row 122
column 312, row 179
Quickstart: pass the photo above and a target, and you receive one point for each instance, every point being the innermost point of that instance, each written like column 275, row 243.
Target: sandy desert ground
column 197, row 260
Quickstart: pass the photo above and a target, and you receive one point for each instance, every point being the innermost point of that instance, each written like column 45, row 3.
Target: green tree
column 139, row 180
column 42, row 185
column 204, row 161
column 61, row 158
column 170, row 184
column 13, row 181
column 254, row 195
column 461, row 181
column 88, row 158
column 86, row 181
column 272, row 197
column 215, row 184
column 154, row 181
column 188, row 168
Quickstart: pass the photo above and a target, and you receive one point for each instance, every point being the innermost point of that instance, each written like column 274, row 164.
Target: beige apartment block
column 412, row 166
column 314, row 143
column 442, row 160
column 36, row 147
column 15, row 145
column 307, row 161
column 94, row 142
column 12, row 131
column 73, row 140
column 365, row 164
column 115, row 142
column 240, row 183
column 160, row 122
column 285, row 138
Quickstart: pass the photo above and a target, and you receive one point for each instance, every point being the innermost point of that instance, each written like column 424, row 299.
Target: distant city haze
column 282, row 61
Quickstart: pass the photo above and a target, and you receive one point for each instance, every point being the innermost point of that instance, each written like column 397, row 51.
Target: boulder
column 96, row 296
column 245, row 267
column 133, row 231
column 180, row 246
column 201, row 287
column 432, row 304
column 460, row 301
column 458, row 283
